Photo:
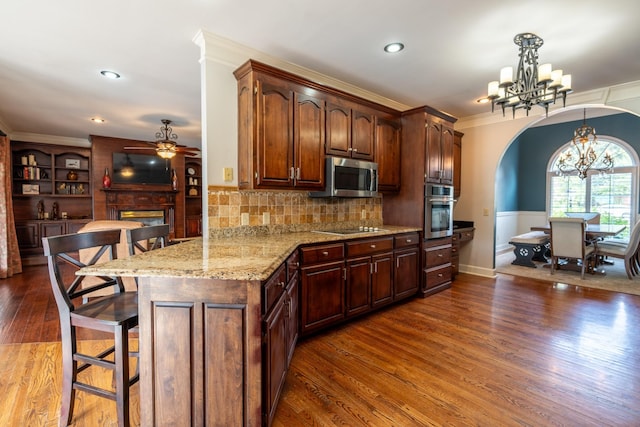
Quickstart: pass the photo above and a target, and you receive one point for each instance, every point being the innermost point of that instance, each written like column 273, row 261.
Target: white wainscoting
column 509, row 224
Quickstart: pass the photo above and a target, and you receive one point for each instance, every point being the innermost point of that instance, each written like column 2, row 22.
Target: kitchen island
column 201, row 323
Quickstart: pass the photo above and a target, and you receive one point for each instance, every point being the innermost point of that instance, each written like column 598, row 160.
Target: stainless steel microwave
column 349, row 178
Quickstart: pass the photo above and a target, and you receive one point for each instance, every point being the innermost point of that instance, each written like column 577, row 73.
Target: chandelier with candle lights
column 533, row 84
column 584, row 153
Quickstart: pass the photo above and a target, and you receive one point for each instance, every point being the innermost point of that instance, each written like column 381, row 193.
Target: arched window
column 612, row 194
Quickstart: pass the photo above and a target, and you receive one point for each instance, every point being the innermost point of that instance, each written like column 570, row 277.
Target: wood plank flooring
column 488, row 352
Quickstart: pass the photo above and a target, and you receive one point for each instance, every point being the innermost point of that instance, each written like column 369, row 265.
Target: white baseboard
column 478, row 271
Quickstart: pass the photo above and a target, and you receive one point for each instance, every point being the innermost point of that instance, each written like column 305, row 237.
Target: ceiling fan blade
column 139, row 148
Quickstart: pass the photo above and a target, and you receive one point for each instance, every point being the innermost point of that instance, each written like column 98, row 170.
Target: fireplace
column 147, row 217
column 148, row 207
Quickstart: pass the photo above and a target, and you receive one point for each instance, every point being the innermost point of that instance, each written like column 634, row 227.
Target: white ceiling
column 52, row 52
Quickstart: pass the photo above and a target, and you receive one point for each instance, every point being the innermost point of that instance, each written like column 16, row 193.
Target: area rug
column 615, row 278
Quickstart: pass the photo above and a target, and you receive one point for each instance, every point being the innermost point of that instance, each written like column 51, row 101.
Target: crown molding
column 50, row 139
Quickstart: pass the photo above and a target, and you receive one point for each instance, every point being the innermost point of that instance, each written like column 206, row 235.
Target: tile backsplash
column 236, row 212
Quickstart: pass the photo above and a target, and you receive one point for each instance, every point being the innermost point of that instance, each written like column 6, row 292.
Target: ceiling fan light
column 165, row 153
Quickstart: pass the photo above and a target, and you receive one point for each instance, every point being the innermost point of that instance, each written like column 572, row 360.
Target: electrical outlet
column 363, row 214
column 485, row 211
column 266, row 218
column 227, row 174
column 244, row 218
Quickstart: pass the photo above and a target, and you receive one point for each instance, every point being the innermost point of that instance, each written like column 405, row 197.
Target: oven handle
column 442, row 200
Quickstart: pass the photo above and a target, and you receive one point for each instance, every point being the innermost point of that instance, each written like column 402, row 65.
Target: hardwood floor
column 487, row 352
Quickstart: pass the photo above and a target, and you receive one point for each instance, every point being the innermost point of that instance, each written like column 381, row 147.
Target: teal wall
column 521, row 176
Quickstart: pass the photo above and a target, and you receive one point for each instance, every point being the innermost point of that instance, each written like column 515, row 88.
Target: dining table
column 594, row 233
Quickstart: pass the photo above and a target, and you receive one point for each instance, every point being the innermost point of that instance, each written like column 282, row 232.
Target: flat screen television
column 140, row 169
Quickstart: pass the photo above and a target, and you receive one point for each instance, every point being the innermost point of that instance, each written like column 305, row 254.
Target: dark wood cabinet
column 406, row 279
column 368, row 268
column 439, row 158
column 459, row 237
column 281, row 131
column 457, row 163
column 436, row 265
column 350, row 131
column 280, row 331
column 31, row 232
column 322, row 286
column 388, row 137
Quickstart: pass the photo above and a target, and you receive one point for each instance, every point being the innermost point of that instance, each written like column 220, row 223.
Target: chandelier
column 534, row 84
column 585, row 143
column 165, row 144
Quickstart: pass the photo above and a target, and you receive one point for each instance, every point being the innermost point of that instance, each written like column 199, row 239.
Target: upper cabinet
column 281, row 133
column 388, row 136
column 439, row 142
column 457, row 162
column 350, row 131
column 288, row 124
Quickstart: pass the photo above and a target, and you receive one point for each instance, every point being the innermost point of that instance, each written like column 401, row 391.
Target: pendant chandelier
column 585, row 143
column 534, row 84
column 166, row 146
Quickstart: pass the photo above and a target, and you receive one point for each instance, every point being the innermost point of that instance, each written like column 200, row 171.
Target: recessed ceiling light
column 110, row 74
column 393, row 47
column 97, row 120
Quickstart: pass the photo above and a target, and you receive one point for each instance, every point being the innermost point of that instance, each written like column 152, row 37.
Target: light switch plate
column 227, row 174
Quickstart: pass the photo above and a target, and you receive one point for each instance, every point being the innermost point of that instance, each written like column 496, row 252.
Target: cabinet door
column 406, row 274
column 358, row 285
column 457, row 163
column 362, row 135
column 382, row 280
column 274, row 135
column 446, row 154
column 28, row 235
column 309, row 141
column 275, row 356
column 433, row 161
column 48, row 229
column 338, row 139
column 388, row 136
column 322, row 300
column 292, row 323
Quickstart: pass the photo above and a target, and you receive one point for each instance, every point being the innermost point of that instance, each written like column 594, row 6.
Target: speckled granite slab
column 229, row 258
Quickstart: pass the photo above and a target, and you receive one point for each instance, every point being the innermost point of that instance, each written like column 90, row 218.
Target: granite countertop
column 225, row 258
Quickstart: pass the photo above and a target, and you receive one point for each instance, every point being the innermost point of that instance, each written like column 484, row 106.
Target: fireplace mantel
column 141, row 200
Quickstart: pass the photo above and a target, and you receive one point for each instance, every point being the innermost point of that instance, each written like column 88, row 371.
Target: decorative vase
column 174, row 180
column 72, row 175
column 106, row 179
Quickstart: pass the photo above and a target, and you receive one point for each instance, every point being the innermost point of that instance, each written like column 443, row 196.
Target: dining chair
column 147, row 238
column 568, row 240
column 628, row 253
column 116, row 313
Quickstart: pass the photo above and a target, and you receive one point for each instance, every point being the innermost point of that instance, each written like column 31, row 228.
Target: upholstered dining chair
column 568, row 237
column 116, row 313
column 628, row 252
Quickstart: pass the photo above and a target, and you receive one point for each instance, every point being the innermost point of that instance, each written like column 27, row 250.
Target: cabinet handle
column 291, row 173
column 325, row 253
column 439, row 274
column 344, row 274
column 355, row 150
column 409, row 240
column 349, row 149
column 439, row 255
column 298, row 173
column 281, row 284
column 373, row 246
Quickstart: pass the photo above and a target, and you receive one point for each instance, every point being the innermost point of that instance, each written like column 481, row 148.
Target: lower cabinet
column 406, row 278
column 280, row 332
column 30, row 234
column 436, row 270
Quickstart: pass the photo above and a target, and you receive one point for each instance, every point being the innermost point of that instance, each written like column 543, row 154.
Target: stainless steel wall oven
column 438, row 211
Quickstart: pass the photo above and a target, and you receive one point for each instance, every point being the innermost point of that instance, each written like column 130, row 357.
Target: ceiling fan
column 165, row 144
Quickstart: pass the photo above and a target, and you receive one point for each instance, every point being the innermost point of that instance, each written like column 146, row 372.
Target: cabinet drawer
column 325, row 253
column 438, row 256
column 438, row 276
column 370, row 246
column 406, row 240
column 273, row 288
column 466, row 235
